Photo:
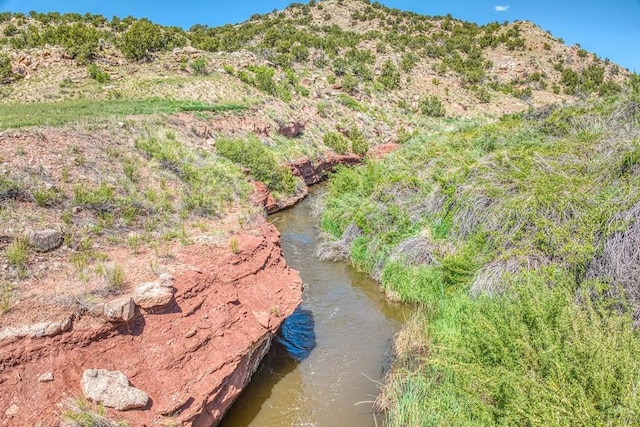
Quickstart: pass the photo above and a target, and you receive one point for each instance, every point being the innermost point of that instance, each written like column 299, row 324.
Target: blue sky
column 610, row 28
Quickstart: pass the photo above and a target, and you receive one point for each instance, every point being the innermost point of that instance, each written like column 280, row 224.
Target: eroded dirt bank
column 192, row 356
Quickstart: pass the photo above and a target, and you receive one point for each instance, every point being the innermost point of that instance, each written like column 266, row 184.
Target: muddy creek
column 354, row 325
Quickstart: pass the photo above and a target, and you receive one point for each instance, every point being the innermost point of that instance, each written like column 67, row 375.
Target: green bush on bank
column 260, row 161
column 493, row 228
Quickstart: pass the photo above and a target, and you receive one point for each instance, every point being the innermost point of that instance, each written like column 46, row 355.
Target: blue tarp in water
column 297, row 334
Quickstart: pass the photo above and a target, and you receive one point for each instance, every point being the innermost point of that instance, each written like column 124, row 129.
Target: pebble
column 47, row 377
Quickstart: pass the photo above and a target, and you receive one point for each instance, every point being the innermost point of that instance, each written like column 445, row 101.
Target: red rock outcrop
column 310, row 171
column 292, row 129
column 192, row 357
column 314, row 171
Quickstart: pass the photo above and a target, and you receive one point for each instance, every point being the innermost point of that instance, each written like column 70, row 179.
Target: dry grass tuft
column 80, row 412
column 338, row 250
column 489, row 280
column 410, row 349
column 415, row 251
column 619, row 263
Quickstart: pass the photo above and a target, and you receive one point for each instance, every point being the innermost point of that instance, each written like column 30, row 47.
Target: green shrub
column 390, row 76
column 349, row 83
column 5, row 67
column 260, row 161
column 263, row 79
column 359, row 144
column 81, row 41
column 199, row 67
column 336, row 141
column 432, row 106
column 409, row 61
column 98, row 74
column 141, row 39
column 10, row 30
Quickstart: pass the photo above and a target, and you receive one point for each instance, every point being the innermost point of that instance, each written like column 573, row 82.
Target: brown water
column 354, row 324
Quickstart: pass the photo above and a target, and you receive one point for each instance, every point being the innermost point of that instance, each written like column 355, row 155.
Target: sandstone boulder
column 45, row 240
column 120, row 309
column 152, row 294
column 112, row 389
column 37, row 330
column 292, row 129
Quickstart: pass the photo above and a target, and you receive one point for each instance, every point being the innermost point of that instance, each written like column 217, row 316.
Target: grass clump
column 260, row 161
column 85, row 414
column 115, row 277
column 6, row 295
column 17, row 253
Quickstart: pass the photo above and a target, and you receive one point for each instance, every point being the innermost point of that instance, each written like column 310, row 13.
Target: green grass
column 17, row 253
column 61, row 113
column 492, row 229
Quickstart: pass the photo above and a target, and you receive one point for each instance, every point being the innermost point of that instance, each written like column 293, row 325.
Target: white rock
column 152, row 294
column 12, row 411
column 112, row 389
column 120, row 309
column 47, row 377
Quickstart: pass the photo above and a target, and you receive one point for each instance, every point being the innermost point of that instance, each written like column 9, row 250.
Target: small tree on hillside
column 5, row 67
column 141, row 39
column 390, row 76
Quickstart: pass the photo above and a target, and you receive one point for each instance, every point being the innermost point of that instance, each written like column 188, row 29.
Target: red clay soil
column 192, row 357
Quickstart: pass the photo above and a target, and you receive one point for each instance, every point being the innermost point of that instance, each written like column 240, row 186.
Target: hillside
column 518, row 240
column 132, row 149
